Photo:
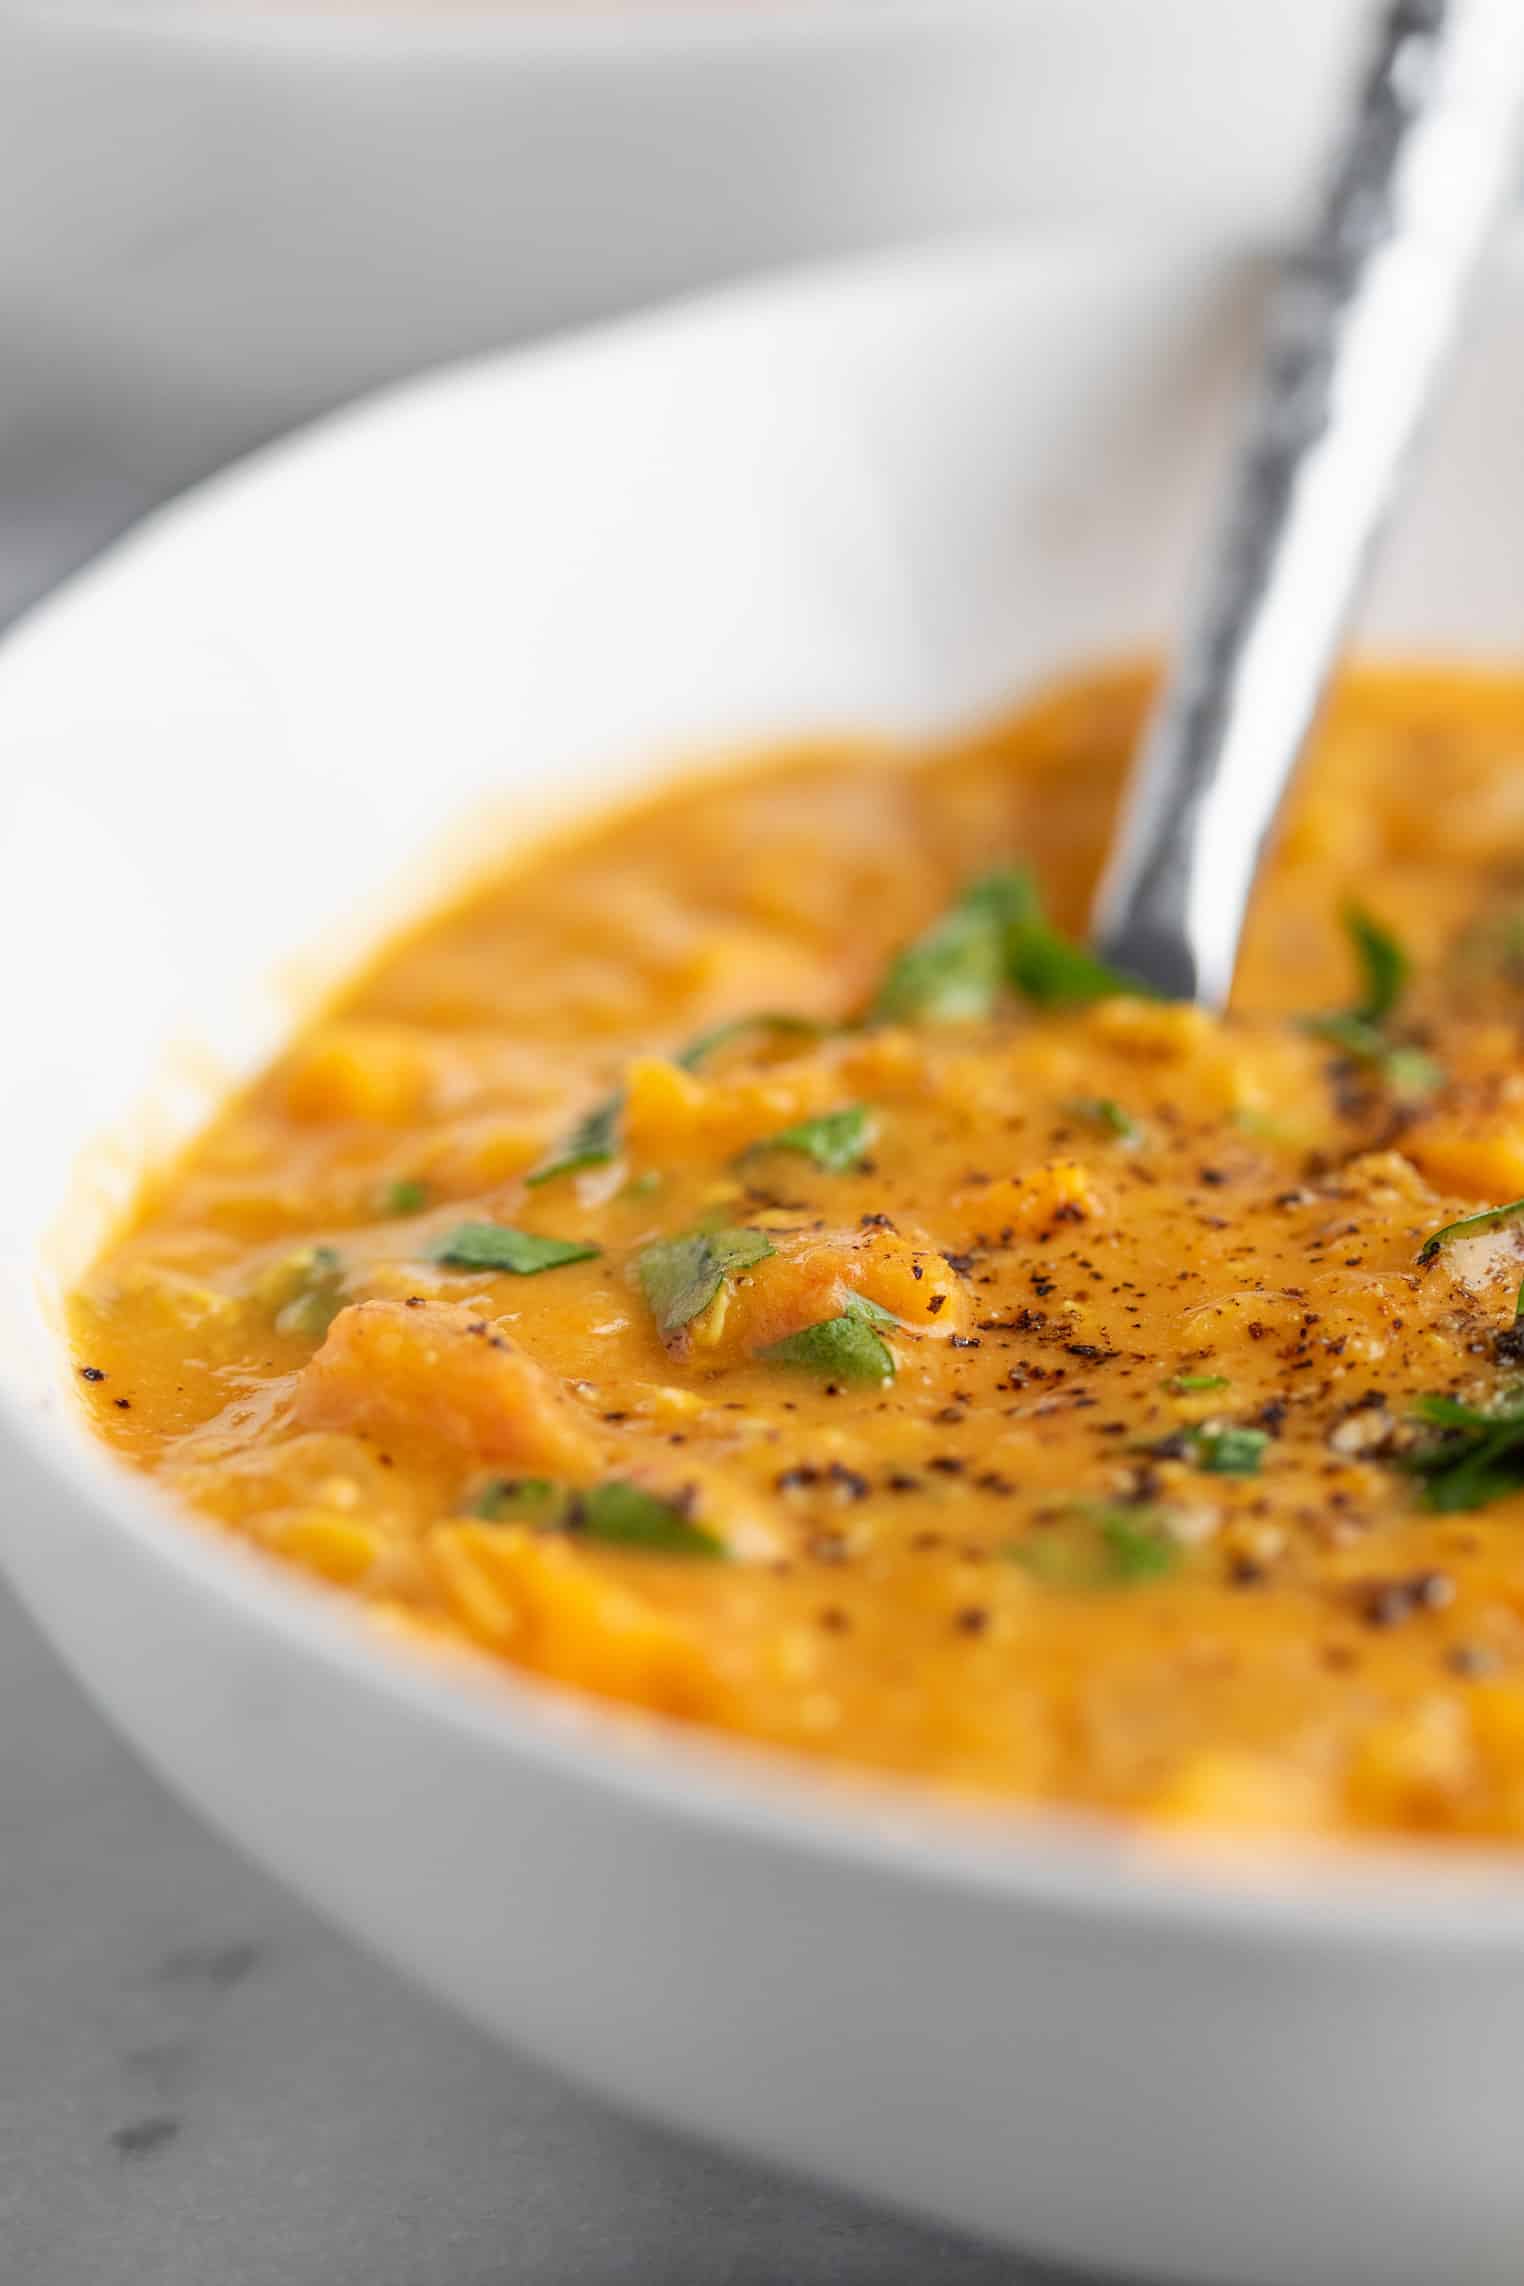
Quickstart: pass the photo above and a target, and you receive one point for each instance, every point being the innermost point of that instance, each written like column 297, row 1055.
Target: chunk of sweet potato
column 561, row 1613
column 442, row 1372
column 1027, row 1206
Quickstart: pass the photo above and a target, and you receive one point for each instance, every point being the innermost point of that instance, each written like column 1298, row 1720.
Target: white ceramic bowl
column 218, row 217
column 885, row 497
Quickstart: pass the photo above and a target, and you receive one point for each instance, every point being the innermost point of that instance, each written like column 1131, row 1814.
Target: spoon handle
column 1357, row 329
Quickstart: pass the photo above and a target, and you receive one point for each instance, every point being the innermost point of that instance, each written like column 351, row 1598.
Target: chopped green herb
column 837, row 1140
column 493, row 1246
column 1105, row 1111
column 593, row 1142
column 407, row 1196
column 1470, row 1226
column 1185, row 1384
column 769, row 1025
column 864, row 1306
column 1403, row 1070
column 1104, row 1546
column 1228, row 1451
column 304, row 1293
column 680, row 1277
column 953, row 971
column 503, row 1499
column 619, row 1514
column 995, row 934
column 1384, row 966
column 1477, row 1454
column 1053, row 973
column 1361, row 1033
column 843, row 1348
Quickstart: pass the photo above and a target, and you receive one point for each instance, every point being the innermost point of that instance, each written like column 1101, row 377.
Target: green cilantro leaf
column 1475, row 1456
column 680, row 1277
column 836, row 1141
column 953, row 971
column 405, row 1196
column 843, row 1348
column 593, row 1142
column 618, row 1514
column 493, row 1246
column 1228, row 1451
column 1383, row 964
column 1051, row 972
column 770, row 1025
column 305, row 1291
column 1361, row 1033
column 1101, row 1546
column 621, row 1515
column 530, row 1499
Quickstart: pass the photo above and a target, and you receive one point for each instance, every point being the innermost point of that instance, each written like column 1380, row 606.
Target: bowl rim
column 1352, row 1892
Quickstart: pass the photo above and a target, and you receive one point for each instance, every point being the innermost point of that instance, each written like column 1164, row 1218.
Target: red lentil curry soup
column 750, row 1263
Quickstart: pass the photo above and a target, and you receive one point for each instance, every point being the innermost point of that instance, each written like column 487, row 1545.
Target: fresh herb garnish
column 305, row 1292
column 619, row 1514
column 864, row 1306
column 530, row 1499
column 1384, row 966
column 836, row 1141
column 594, row 1141
column 680, row 1277
column 591, row 1143
column 1053, row 973
column 1477, row 1454
column 1105, row 1546
column 406, row 1196
column 1403, row 1070
column 843, row 1348
column 769, row 1025
column 1105, row 1111
column 952, row 972
column 493, row 1246
column 1227, row 1451
column 1185, row 1384
column 995, row 934
column 1361, row 1033
column 1470, row 1226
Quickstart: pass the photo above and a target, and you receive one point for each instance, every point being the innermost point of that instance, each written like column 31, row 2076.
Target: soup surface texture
column 748, row 1263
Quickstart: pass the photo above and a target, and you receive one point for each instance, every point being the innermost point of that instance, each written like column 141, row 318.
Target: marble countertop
column 203, row 2085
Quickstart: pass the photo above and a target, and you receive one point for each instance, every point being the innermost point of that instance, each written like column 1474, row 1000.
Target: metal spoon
column 1358, row 329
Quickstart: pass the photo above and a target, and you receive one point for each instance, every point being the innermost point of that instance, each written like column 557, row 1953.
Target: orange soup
column 749, row 1262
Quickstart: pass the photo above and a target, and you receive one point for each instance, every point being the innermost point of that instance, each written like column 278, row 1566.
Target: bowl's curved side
column 1243, row 2104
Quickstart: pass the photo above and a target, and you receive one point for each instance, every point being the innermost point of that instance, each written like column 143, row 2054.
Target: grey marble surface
column 202, row 2085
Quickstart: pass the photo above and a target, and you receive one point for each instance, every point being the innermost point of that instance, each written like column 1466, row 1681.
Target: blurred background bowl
column 217, row 218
